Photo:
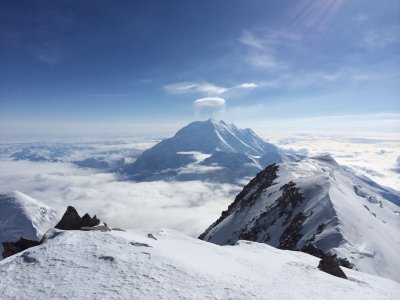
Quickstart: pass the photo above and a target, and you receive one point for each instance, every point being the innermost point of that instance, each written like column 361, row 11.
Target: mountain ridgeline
column 317, row 206
column 206, row 150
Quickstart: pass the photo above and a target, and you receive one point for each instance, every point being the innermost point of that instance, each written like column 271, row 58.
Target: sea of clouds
column 375, row 155
column 189, row 207
column 58, row 179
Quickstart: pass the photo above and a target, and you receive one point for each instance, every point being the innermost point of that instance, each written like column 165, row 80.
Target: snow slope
column 316, row 205
column 227, row 154
column 129, row 265
column 21, row 215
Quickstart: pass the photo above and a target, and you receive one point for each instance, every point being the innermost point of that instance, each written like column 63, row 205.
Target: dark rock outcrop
column 87, row 221
column 292, row 235
column 72, row 221
column 151, row 236
column 330, row 266
column 11, row 248
column 262, row 181
column 311, row 249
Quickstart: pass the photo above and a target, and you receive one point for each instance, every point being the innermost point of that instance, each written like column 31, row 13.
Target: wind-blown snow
column 129, row 265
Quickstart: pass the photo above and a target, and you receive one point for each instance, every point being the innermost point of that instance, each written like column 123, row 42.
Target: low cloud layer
column 397, row 165
column 189, row 207
column 373, row 156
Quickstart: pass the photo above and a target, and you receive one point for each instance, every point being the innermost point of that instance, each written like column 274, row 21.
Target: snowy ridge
column 21, row 215
column 316, row 205
column 130, row 265
column 229, row 154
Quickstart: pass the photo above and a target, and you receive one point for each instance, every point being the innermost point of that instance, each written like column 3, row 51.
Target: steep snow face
column 229, row 153
column 21, row 215
column 317, row 206
column 130, row 265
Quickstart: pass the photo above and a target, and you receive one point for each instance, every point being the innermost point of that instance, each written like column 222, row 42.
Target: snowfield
column 130, row 265
column 21, row 215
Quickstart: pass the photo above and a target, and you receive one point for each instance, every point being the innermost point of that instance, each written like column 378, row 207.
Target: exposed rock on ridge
column 11, row 248
column 319, row 207
column 72, row 221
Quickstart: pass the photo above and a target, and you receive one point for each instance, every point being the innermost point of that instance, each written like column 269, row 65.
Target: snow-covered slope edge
column 317, row 206
column 21, row 215
column 129, row 265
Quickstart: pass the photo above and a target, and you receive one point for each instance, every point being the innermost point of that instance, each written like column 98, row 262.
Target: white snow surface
column 21, row 215
column 130, row 265
column 361, row 224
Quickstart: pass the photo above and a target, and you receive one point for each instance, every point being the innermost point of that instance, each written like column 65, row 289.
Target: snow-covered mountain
column 130, row 265
column 207, row 150
column 317, row 206
column 21, row 215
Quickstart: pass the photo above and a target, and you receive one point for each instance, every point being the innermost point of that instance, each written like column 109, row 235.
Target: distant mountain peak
column 170, row 158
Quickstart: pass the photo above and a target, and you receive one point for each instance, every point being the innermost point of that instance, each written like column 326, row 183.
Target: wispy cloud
column 115, row 95
column 304, row 79
column 194, row 87
column 46, row 56
column 205, row 88
column 262, row 48
column 360, row 18
column 382, row 38
column 247, row 85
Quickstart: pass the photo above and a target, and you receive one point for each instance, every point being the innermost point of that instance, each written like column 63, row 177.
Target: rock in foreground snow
column 130, row 265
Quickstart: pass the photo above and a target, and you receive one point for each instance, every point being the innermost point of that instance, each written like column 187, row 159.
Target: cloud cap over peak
column 209, row 107
column 209, row 102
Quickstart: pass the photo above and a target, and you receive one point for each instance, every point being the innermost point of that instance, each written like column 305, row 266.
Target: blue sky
column 145, row 63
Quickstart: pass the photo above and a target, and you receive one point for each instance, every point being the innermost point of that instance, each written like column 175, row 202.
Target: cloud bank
column 189, row 207
column 376, row 157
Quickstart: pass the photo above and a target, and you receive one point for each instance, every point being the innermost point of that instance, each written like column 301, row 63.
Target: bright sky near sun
column 117, row 63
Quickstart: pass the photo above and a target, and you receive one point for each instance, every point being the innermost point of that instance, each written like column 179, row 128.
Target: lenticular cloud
column 209, row 102
column 209, row 107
